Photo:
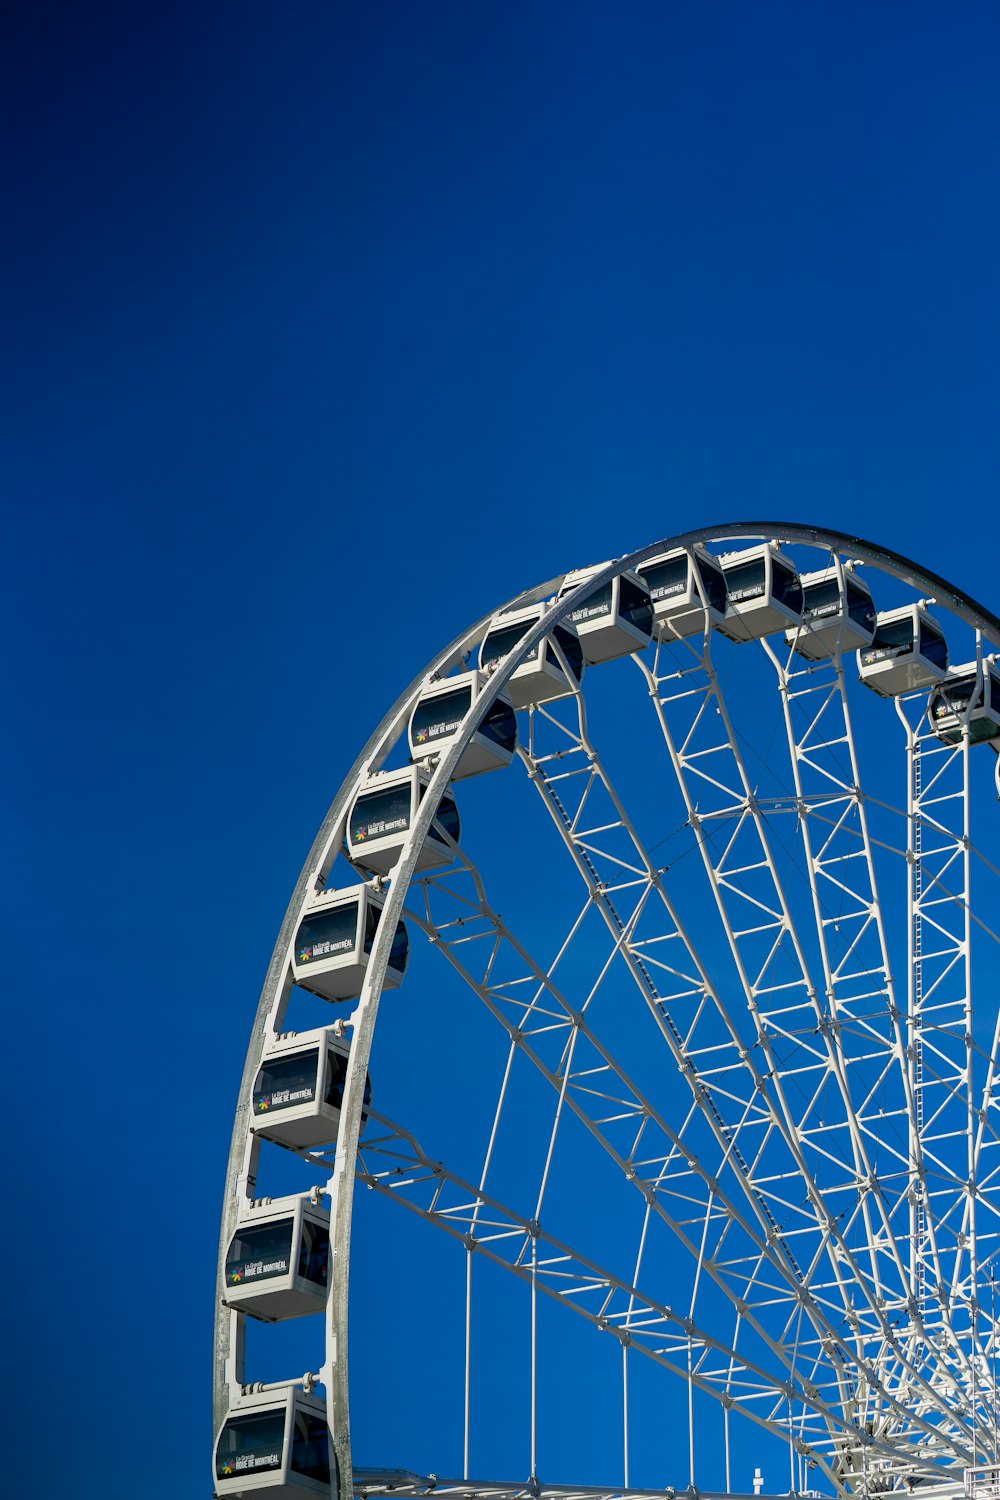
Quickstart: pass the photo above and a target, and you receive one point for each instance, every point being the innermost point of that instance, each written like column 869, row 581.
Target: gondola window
column 378, row 813
column 314, row 1253
column 310, row 1447
column 713, row 585
column 327, row 933
column 258, row 1252
column 635, row 606
column 251, row 1444
column 668, row 578
column 439, row 716
column 499, row 643
column 746, row 581
column 285, row 1081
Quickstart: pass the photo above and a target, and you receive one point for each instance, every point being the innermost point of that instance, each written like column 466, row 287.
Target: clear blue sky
column 328, row 326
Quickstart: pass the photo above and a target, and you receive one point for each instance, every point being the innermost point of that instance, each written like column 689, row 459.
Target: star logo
column 305, row 954
column 237, row 1275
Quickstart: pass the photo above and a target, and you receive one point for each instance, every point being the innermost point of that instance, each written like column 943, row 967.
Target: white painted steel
column 855, row 1332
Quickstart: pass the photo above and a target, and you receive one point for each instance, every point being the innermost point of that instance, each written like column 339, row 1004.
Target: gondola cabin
column 382, row 814
column 687, row 589
column 552, row 669
column 277, row 1261
column 334, row 943
column 838, row 614
column 614, row 620
column 274, row 1445
column 908, row 652
column 763, row 593
column 439, row 713
column 968, row 697
column 299, row 1089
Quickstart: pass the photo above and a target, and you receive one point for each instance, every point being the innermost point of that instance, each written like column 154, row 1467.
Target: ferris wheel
column 619, row 1072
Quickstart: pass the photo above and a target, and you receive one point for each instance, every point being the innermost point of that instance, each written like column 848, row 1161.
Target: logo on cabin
column 237, row 1275
column 227, row 1468
column 360, row 834
column 305, row 954
column 421, row 736
column 264, row 1102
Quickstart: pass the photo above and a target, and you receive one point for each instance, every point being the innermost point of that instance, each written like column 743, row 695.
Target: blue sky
column 327, row 328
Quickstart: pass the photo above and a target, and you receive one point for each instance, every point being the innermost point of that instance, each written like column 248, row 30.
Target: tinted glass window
column 594, row 607
column 860, row 606
column 667, row 579
column 932, row 644
column 251, row 1444
column 314, row 1252
column 447, row 816
column 634, row 606
column 785, row 586
column 439, row 716
column 952, row 697
column 372, row 915
column 569, row 645
column 500, row 726
column 713, row 584
column 376, row 814
column 285, row 1081
column 400, row 949
column 821, row 599
column 259, row 1252
column 499, row 643
column 892, row 638
column 327, row 933
column 336, row 1076
column 895, row 633
column 746, row 581
column 310, row 1451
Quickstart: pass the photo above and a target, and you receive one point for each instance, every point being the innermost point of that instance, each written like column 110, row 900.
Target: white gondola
column 334, row 943
column 435, row 721
column 688, row 591
column 763, row 593
column 838, row 614
column 278, row 1260
column 299, row 1088
column 540, row 676
column 908, row 652
column 968, row 697
column 615, row 620
column 384, row 810
column 274, row 1445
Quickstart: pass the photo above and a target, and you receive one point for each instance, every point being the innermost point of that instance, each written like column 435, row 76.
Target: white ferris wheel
column 673, row 888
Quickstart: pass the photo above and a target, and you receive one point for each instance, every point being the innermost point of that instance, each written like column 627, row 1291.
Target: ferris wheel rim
column 956, row 600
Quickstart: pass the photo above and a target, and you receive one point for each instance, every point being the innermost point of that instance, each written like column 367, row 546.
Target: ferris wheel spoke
column 945, row 1230
column 624, row 1122
column 677, row 1167
column 766, row 1189
column 731, row 883
column 751, row 879
column 428, row 1188
column 824, row 759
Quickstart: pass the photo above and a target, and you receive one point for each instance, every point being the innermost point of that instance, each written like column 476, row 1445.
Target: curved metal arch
column 244, row 1146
